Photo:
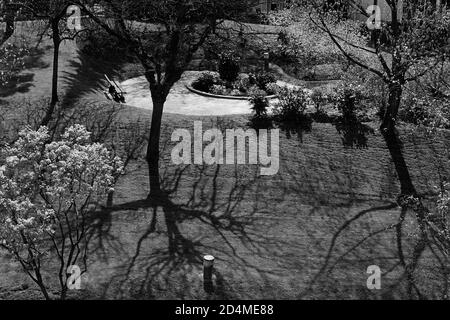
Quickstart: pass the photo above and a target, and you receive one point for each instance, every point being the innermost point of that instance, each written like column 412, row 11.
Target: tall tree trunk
column 54, row 99
column 9, row 22
column 395, row 149
column 153, row 146
column 391, row 113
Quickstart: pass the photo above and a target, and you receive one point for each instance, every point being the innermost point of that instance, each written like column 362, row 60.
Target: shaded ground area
column 309, row 232
column 36, row 78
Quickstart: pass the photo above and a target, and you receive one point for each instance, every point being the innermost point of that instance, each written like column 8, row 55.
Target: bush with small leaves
column 263, row 79
column 374, row 92
column 348, row 98
column 235, row 92
column 272, row 88
column 229, row 67
column 219, row 89
column 242, row 83
column 292, row 106
column 255, row 91
column 206, row 82
column 259, row 104
column 318, row 99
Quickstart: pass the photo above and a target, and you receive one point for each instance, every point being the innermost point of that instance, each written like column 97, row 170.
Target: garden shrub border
column 217, row 96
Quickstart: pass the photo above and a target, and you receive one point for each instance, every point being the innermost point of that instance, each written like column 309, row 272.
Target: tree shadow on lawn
column 87, row 77
column 298, row 128
column 418, row 267
column 184, row 224
column 173, row 268
column 22, row 82
column 354, row 134
column 414, row 270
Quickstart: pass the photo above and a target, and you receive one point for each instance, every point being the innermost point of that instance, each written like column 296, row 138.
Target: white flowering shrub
column 47, row 191
column 12, row 61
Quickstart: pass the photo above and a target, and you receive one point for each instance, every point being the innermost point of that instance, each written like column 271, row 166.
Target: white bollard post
column 208, row 265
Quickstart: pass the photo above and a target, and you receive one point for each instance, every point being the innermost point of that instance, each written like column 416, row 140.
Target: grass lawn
column 271, row 236
column 308, row 232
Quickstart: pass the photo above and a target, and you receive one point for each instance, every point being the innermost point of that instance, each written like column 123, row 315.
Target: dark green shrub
column 205, row 82
column 290, row 112
column 260, row 120
column 254, row 91
column 373, row 92
column 229, row 67
column 259, row 104
column 252, row 79
column 318, row 99
column 283, row 37
column 348, row 98
column 272, row 88
column 349, row 124
column 262, row 79
column 220, row 90
column 291, row 106
column 242, row 83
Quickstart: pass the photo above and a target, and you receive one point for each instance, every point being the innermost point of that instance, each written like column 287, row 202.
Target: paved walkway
column 181, row 100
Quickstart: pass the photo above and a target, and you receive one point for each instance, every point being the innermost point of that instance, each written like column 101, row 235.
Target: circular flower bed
column 245, row 86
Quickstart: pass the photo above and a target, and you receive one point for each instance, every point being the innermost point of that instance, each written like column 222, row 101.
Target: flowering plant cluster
column 12, row 61
column 46, row 191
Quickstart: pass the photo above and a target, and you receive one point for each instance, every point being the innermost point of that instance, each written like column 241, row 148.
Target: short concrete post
column 208, row 265
column 266, row 61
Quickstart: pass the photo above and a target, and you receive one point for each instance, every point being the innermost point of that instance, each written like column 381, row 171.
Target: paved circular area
column 181, row 100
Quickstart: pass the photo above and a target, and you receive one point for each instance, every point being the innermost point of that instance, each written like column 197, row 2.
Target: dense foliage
column 47, row 192
column 12, row 61
column 245, row 84
column 228, row 67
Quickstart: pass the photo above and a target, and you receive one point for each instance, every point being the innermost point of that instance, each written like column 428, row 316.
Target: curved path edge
column 211, row 95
